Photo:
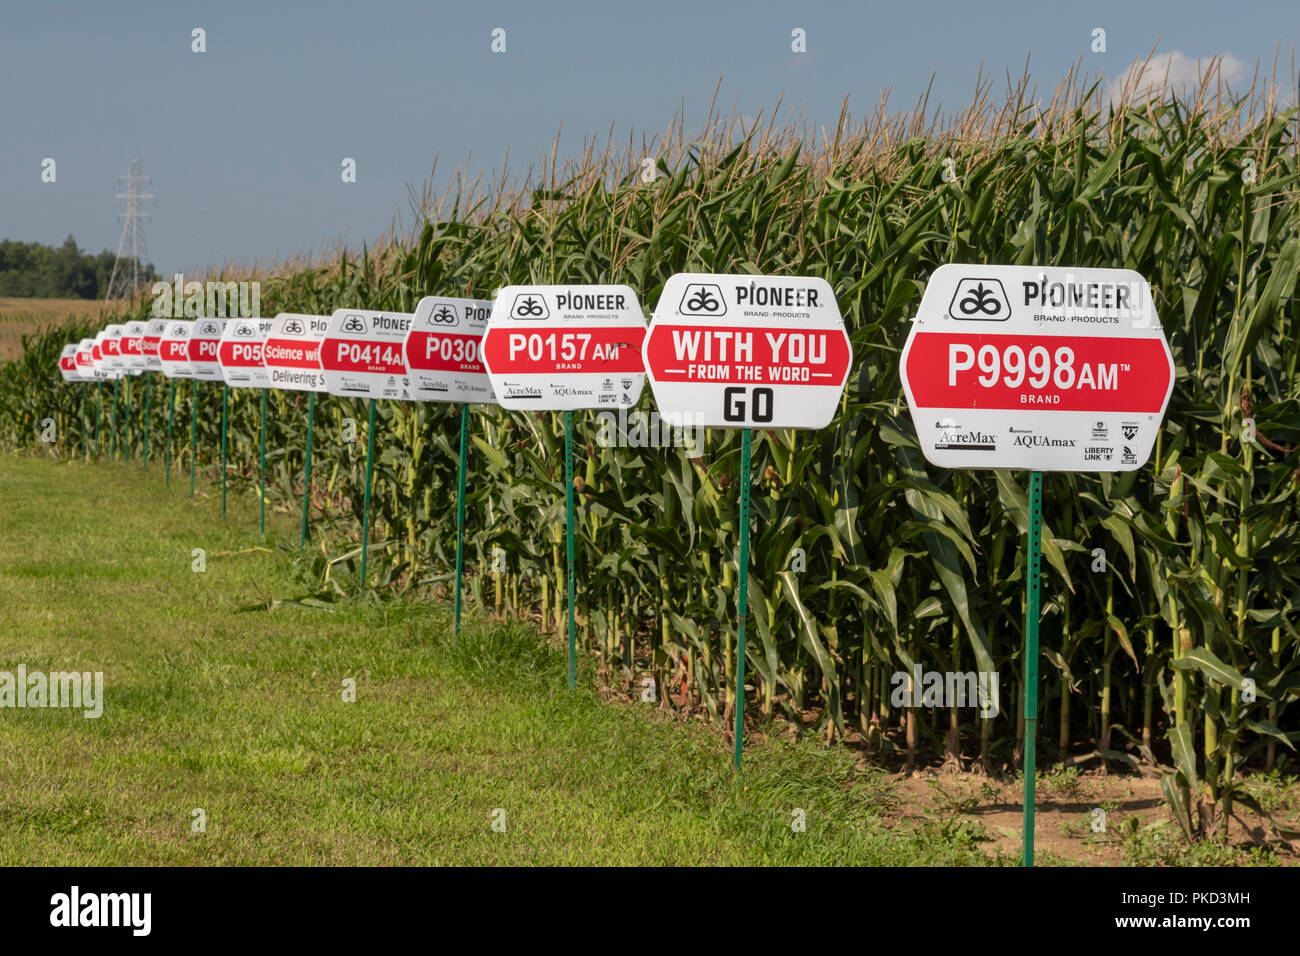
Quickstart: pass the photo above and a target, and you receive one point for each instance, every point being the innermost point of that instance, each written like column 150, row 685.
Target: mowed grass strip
column 242, row 715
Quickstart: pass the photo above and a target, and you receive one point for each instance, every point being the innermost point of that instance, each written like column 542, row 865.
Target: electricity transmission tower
column 131, row 249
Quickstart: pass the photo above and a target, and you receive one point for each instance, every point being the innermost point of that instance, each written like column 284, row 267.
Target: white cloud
column 1177, row 72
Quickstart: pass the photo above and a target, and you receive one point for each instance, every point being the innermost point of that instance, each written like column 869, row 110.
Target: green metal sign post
column 742, row 598
column 568, row 524
column 99, row 412
column 112, row 444
column 225, row 418
column 460, row 510
column 306, row 470
column 85, row 397
column 365, row 511
column 167, row 448
column 261, row 470
column 144, row 448
column 194, row 431
column 1032, row 604
column 126, row 418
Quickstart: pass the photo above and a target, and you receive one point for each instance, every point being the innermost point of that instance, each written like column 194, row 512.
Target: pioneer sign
column 565, row 347
column 361, row 354
column 442, row 350
column 174, row 349
column 112, row 349
column 240, row 353
column 739, row 351
column 102, row 370
column 151, row 342
column 1043, row 369
column 68, row 363
column 132, row 346
column 85, row 361
column 205, row 339
column 291, row 352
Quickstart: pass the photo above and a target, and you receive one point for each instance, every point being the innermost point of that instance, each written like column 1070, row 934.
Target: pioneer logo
column 529, row 306
column 354, row 323
column 702, row 298
column 293, row 327
column 982, row 299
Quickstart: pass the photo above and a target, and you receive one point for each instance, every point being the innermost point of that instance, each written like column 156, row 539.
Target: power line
column 132, row 235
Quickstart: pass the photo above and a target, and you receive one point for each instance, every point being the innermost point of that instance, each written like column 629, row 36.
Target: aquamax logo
column 104, row 910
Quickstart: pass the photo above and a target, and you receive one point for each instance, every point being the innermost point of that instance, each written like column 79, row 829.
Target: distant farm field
column 19, row 317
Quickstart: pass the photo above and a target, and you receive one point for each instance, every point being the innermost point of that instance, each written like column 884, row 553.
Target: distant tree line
column 32, row 270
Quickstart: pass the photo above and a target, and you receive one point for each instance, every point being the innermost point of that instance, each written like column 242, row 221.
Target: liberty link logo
column 529, row 305
column 702, row 298
column 983, row 299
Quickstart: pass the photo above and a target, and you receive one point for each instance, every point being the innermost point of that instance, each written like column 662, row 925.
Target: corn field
column 1164, row 590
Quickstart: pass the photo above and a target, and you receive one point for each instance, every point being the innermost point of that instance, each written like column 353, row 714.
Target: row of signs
column 1005, row 366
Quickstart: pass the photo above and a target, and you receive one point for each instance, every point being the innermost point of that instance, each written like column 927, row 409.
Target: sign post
column 86, row 372
column 240, row 355
column 1032, row 597
column 1039, row 369
column 113, row 361
column 442, row 352
column 306, row 469
column 194, row 429
column 740, row 351
column 133, row 360
column 460, row 512
column 205, row 364
column 149, row 342
column 361, row 356
column 144, row 451
column 167, row 449
column 564, row 348
column 225, row 418
column 291, row 356
column 174, row 361
column 102, row 374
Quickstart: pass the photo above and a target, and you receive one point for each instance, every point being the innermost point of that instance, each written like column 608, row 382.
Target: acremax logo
column 72, row 909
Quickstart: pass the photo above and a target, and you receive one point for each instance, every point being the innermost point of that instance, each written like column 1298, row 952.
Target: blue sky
column 244, row 142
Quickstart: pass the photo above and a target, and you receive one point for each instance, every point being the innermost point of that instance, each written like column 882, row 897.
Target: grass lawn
column 242, row 715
